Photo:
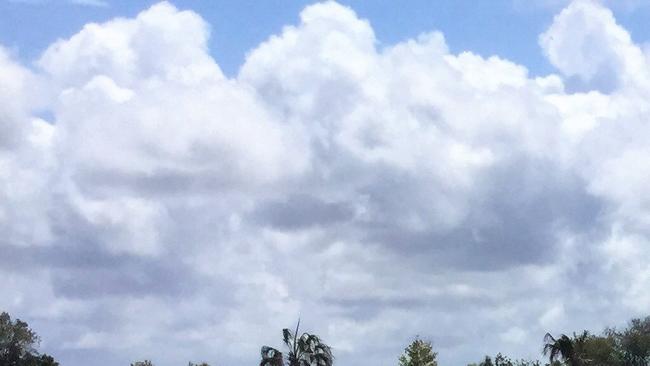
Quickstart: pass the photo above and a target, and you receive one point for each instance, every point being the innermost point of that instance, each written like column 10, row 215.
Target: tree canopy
column 418, row 353
column 18, row 344
column 304, row 350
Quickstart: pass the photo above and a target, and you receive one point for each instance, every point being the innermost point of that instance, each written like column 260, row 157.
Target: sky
column 181, row 180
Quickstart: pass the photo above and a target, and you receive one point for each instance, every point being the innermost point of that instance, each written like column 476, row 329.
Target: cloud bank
column 164, row 210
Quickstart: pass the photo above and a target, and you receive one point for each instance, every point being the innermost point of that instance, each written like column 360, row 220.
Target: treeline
column 629, row 346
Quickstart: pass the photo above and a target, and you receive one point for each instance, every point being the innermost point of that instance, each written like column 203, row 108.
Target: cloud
column 170, row 212
column 585, row 41
column 96, row 3
column 557, row 5
column 91, row 3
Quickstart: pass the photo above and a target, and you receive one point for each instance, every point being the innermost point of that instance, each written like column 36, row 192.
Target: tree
column 561, row 349
column 18, row 344
column 42, row 360
column 596, row 350
column 634, row 342
column 306, row 350
column 501, row 360
column 487, row 361
column 418, row 353
column 142, row 363
column 271, row 357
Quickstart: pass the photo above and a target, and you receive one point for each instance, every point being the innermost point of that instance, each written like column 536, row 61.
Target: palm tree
column 561, row 348
column 306, row 350
column 271, row 357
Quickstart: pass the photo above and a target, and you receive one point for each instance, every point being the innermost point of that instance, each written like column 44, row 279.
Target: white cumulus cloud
column 168, row 211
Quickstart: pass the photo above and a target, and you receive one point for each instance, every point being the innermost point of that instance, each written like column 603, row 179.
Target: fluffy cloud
column 168, row 211
column 585, row 41
column 24, row 160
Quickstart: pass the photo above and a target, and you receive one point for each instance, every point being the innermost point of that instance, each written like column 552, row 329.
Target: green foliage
column 149, row 363
column 419, row 353
column 271, row 357
column 18, row 344
column 142, row 363
column 634, row 342
column 596, row 350
column 306, row 350
column 487, row 361
column 629, row 347
column 501, row 360
column 42, row 360
column 561, row 349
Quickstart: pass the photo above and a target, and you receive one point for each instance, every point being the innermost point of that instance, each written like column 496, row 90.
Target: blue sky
column 508, row 28
column 451, row 169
